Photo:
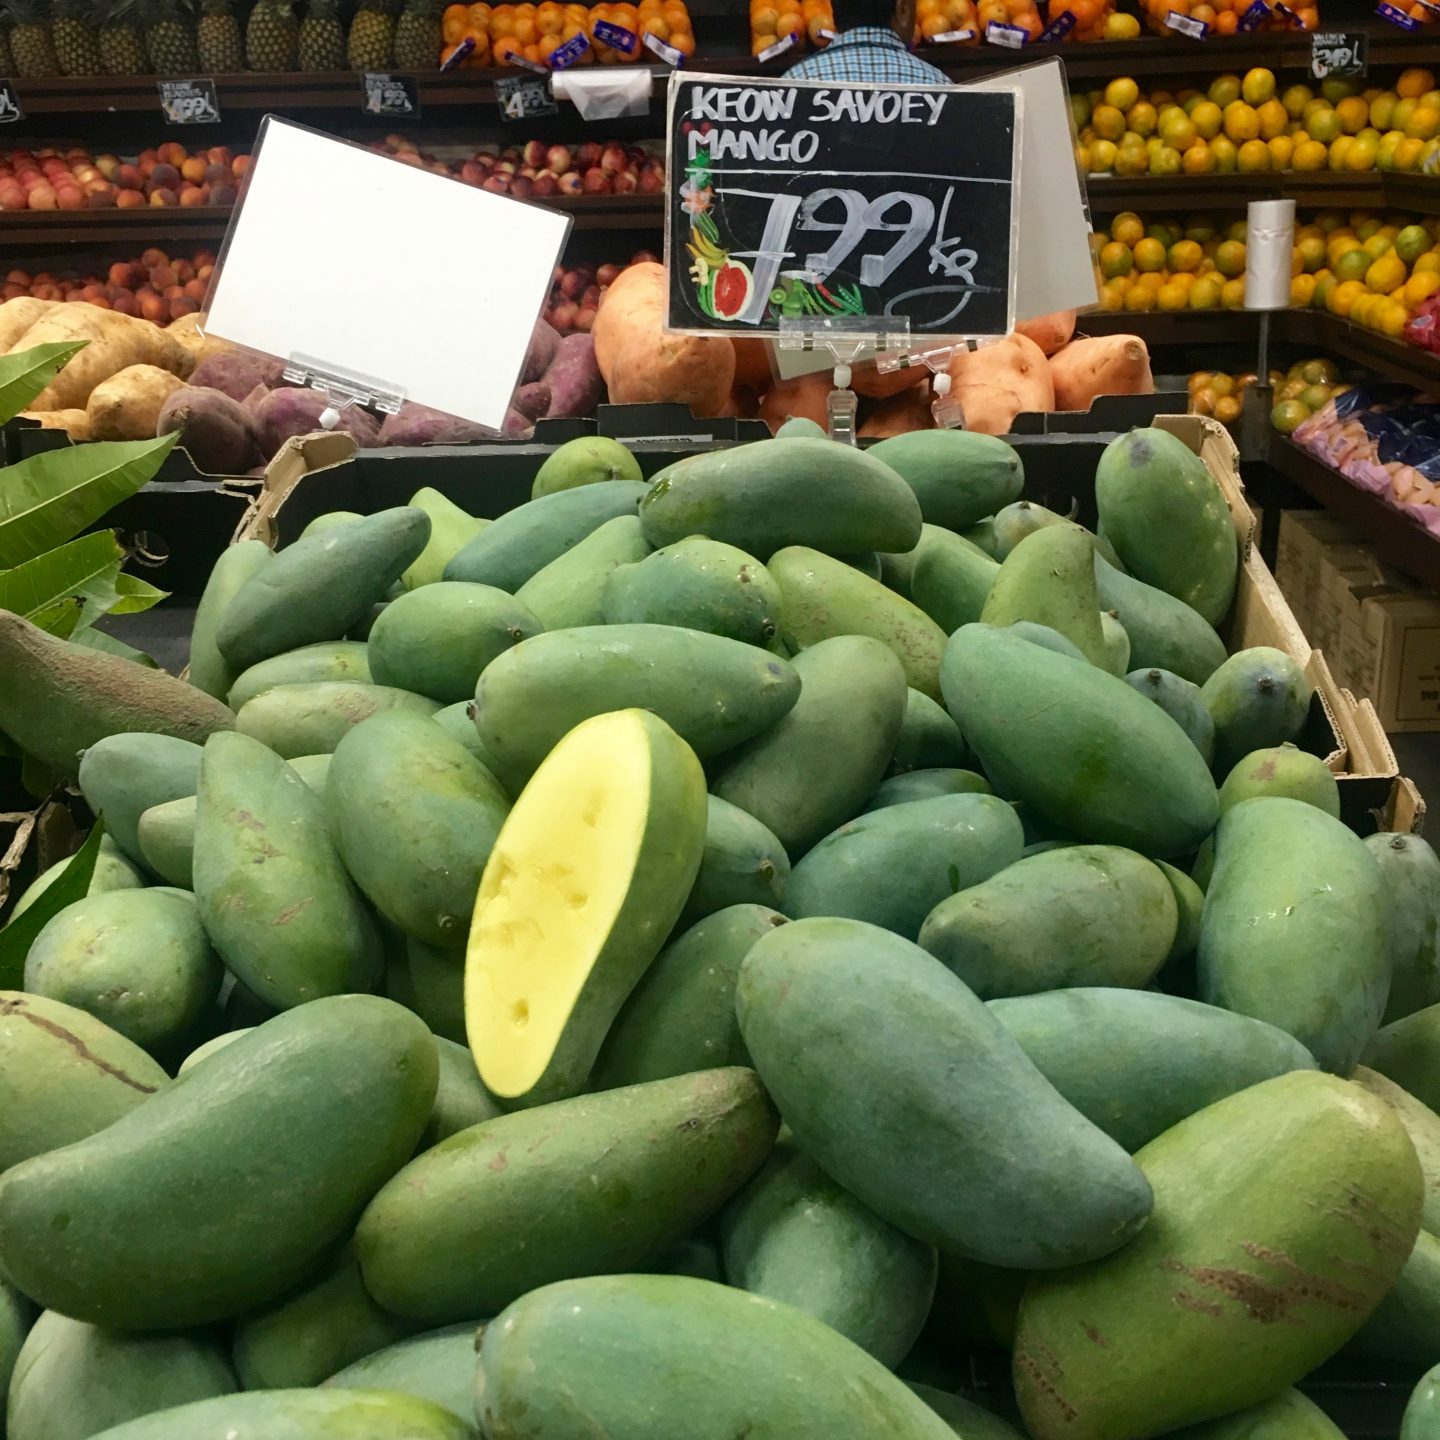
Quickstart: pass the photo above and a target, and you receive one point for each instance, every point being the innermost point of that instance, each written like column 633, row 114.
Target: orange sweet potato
column 803, row 396
column 1105, row 365
column 1049, row 332
column 902, row 413
column 752, row 365
column 641, row 363
column 995, row 383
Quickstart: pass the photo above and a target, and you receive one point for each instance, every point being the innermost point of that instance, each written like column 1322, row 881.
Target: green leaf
column 88, row 568
column 99, row 640
column 59, row 619
column 24, row 376
column 135, row 595
column 17, row 937
column 50, row 498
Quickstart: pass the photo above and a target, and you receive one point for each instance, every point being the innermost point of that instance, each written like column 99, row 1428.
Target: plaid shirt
column 868, row 55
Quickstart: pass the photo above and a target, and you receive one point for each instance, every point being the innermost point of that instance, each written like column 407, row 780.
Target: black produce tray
column 1108, row 414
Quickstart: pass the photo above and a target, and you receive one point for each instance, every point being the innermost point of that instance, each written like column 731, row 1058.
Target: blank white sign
column 382, row 269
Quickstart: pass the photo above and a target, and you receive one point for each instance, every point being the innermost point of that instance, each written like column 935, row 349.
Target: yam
column 75, row 422
column 752, row 365
column 115, row 342
column 544, row 341
column 419, row 425
column 532, row 400
column 127, row 406
column 803, row 398
column 18, row 315
column 995, row 383
column 641, row 363
column 218, row 433
column 1049, row 332
column 869, row 381
column 900, row 414
column 186, row 332
column 1104, row 365
column 238, row 372
column 574, row 378
column 283, row 414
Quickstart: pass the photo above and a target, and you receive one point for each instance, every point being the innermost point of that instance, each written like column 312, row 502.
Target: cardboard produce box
column 1303, row 535
column 1393, row 655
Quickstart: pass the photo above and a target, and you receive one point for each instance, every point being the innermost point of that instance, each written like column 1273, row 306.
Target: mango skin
column 1282, row 770
column 1165, row 633
column 882, row 1064
column 639, row 1167
column 232, row 1184
column 1422, row 1413
column 571, row 589
column 66, row 1076
column 313, row 718
column 1287, row 1416
column 1294, row 928
column 326, row 660
column 1282, row 1215
column 959, row 476
column 1049, row 579
column 1258, row 698
column 950, row 579
column 1407, row 1051
column 743, row 863
column 438, row 1366
column 801, row 1378
column 1412, row 887
column 122, row 776
column 208, row 669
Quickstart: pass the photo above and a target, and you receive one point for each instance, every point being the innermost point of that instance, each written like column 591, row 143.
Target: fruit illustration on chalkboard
column 729, row 290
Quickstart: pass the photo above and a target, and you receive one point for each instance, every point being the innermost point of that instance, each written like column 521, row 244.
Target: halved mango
column 587, row 878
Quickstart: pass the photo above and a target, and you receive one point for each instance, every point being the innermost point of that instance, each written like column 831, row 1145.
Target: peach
column 613, row 159
column 651, row 181
column 564, row 315
column 596, row 182
column 571, row 184
column 534, row 154
column 240, row 165
column 216, row 174
column 585, row 318
column 152, row 257
column 182, row 305
column 194, row 170
column 545, row 184
column 172, row 153
column 129, row 178
column 607, row 275
column 129, row 199
column 102, row 199
column 108, row 165
column 196, row 289
column 163, row 198
column 184, row 270
column 473, row 174
column 625, row 183
column 42, row 197
column 125, row 304
column 498, row 183
column 587, row 155
column 152, row 307
column 220, row 155
column 223, row 195
column 163, row 276
column 559, row 159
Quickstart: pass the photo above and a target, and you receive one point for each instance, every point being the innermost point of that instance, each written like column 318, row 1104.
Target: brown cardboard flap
column 298, row 457
column 1405, row 811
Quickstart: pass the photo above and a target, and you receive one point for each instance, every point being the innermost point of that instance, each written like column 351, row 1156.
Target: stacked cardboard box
column 1380, row 633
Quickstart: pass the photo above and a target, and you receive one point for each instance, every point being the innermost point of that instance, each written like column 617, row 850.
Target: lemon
column 1121, row 27
column 1222, row 152
column 1258, row 86
column 1178, row 130
column 1311, row 250
column 1344, row 296
column 1309, row 155
column 1166, row 161
column 1230, row 257
column 1141, row 118
column 1378, row 244
column 1302, row 287
column 1414, row 82
column 1140, row 299
column 1171, row 297
column 1336, row 88
column 1423, row 124
column 1382, row 109
column 1185, row 256
column 1411, row 243
column 1339, row 149
column 1408, row 153
column 1317, row 371
column 1352, row 264
column 1111, row 300
column 1227, row 409
column 1392, row 320
column 1198, row 160
column 1324, row 289
column 1108, row 122
column 1102, row 157
column 1282, row 152
column 1322, row 125
column 1361, row 154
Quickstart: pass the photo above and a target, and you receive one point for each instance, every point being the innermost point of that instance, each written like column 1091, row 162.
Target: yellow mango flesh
column 552, row 890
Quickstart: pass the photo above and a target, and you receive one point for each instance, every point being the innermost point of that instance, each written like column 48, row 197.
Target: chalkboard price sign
column 791, row 199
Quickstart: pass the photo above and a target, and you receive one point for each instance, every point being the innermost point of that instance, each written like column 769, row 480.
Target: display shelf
column 150, row 224
column 1309, row 189
column 1397, row 540
column 1100, row 61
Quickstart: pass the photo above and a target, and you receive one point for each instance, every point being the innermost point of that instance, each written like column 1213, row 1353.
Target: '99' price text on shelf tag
column 1338, row 54
column 10, row 110
column 522, row 97
column 189, row 102
column 391, row 95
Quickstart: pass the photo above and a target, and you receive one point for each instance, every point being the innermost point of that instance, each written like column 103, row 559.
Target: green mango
column 1257, row 698
column 571, row 589
column 698, row 583
column 900, row 1084
column 230, row 1186
column 1049, row 579
column 680, row 1017
column 742, row 864
column 1180, row 700
column 1421, row 1420
column 456, row 722
column 451, row 529
column 1422, row 1125
column 586, row 460
column 926, row 785
column 627, row 1346
column 1412, row 889
column 1116, row 658
column 16, row 1316
column 794, row 1235
column 929, row 738
column 312, row 719
column 897, row 570
column 1286, row 1416
column 328, row 1323
column 414, row 817
column 1189, row 905
column 318, row 588
column 329, row 521
column 438, row 1366
column 959, row 476
column 964, row 1416
column 1407, row 1051
column 1165, row 633
column 951, row 580
column 461, row 1100
column 74, row 1380
column 892, row 867
column 1251, row 1271
column 1018, row 521
column 582, row 1186
column 209, row 670
column 1135, row 1062
column 1047, row 638
column 1082, row 915
column 1403, row 1328
column 1168, row 519
column 431, row 982
column 123, row 775
column 113, row 871
column 325, row 660
column 1282, row 770
column 273, row 895
column 815, row 768
column 801, row 427
column 1294, row 929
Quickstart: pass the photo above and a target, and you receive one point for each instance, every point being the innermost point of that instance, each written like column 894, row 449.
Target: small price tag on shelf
column 668, row 53
column 828, row 35
column 784, row 43
column 952, row 37
column 463, row 51
column 1012, row 37
column 189, row 102
column 617, row 37
column 1253, row 17
column 1334, row 53
column 391, row 95
column 1058, row 28
column 1187, row 25
column 523, row 97
column 10, row 109
column 1397, row 17
column 569, row 53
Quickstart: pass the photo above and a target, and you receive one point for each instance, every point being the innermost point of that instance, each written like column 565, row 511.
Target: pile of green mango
column 995, row 987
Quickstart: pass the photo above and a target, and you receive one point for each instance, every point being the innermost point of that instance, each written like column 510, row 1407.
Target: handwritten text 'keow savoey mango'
column 755, row 105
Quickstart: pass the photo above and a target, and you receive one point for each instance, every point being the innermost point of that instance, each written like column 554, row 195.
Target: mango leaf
column 135, row 595
column 24, row 376
column 88, row 568
column 50, row 498
column 73, row 884
column 99, row 640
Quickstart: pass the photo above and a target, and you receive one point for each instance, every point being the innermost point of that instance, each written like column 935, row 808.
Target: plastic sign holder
column 311, row 272
column 845, row 337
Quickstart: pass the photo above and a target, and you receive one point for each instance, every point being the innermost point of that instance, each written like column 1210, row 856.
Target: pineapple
column 372, row 36
column 121, row 50
column 417, row 36
column 217, row 39
column 270, row 36
column 322, row 37
column 7, row 66
column 169, row 37
column 76, row 46
column 31, row 46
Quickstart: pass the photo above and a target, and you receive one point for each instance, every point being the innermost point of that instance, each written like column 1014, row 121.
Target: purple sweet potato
column 574, row 378
column 419, row 425
column 543, row 342
column 293, row 411
column 237, row 373
column 218, row 432
column 517, row 426
column 532, row 400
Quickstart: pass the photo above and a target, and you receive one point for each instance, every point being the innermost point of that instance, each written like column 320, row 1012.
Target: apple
column 184, row 270
column 205, row 271
column 596, row 182
column 625, row 183
column 545, row 184
column 570, row 183
column 162, row 276
column 195, row 289
column 505, row 167
column 126, row 304
column 471, row 173
column 559, row 158
column 411, row 158
column 183, row 305
column 587, row 155
column 498, row 183
column 613, row 159
column 522, row 187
